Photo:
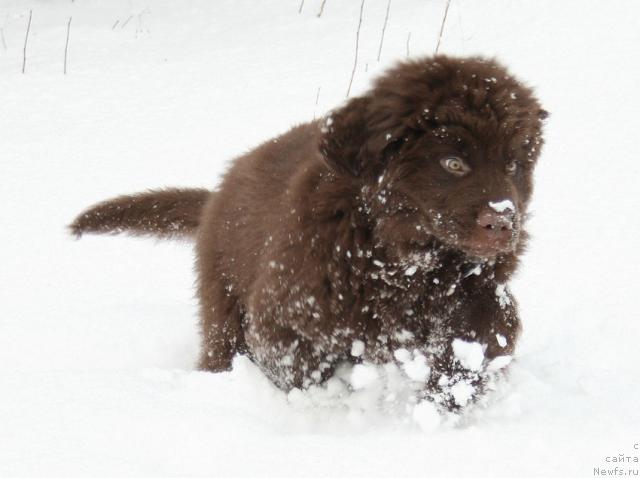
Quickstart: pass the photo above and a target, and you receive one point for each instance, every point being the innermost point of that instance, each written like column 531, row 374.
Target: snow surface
column 98, row 337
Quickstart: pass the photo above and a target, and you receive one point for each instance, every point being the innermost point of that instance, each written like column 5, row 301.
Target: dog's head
column 441, row 148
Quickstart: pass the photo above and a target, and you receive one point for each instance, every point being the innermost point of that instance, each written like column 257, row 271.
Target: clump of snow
column 476, row 271
column 502, row 340
column 414, row 364
column 402, row 355
column 462, row 392
column 357, row 348
column 469, row 354
column 363, row 375
column 502, row 295
column 411, row 270
column 502, row 206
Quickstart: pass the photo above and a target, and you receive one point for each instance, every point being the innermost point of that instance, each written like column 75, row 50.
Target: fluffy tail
column 165, row 213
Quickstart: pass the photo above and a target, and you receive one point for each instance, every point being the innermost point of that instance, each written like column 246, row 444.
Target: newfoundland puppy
column 385, row 232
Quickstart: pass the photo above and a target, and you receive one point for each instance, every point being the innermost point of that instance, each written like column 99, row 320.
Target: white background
column 98, row 337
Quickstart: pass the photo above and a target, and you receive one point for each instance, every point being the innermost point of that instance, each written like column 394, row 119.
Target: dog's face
column 444, row 149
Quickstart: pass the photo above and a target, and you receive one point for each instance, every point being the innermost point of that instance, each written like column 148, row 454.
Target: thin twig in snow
column 115, row 24
column 444, row 19
column 26, row 39
column 301, row 5
column 355, row 61
column 408, row 40
column 384, row 28
column 126, row 21
column 66, row 46
column 316, row 105
column 321, row 8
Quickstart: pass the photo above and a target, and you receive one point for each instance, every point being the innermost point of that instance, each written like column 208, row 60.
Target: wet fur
column 348, row 229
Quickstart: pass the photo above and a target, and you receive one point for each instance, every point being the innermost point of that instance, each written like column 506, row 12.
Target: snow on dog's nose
column 496, row 224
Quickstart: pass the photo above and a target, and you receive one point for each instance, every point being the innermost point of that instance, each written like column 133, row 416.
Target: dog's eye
column 512, row 167
column 455, row 165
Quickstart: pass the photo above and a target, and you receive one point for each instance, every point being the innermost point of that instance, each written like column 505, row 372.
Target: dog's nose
column 496, row 225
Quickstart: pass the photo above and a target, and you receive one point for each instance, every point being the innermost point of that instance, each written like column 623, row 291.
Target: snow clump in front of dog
column 394, row 392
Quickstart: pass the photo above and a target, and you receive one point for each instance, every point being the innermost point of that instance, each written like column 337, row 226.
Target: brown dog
column 385, row 232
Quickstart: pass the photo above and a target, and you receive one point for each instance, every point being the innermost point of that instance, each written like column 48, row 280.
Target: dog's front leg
column 285, row 356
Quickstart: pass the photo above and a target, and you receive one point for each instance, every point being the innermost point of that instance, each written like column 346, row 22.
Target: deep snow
column 98, row 337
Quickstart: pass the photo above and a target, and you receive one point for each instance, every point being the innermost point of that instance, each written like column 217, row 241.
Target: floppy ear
column 344, row 135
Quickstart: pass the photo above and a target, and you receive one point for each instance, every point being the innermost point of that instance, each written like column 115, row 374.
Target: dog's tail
column 165, row 213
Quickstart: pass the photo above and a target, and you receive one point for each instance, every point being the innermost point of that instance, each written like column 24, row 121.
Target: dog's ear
column 344, row 136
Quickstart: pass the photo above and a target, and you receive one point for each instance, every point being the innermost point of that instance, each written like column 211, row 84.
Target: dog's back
column 252, row 202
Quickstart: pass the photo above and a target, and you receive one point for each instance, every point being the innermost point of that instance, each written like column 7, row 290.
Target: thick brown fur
column 167, row 213
column 350, row 229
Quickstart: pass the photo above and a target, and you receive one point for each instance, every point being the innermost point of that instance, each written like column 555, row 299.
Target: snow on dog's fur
column 385, row 232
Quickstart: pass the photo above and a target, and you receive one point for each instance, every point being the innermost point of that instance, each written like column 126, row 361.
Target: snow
column 414, row 364
column 363, row 376
column 502, row 295
column 411, row 270
column 502, row 206
column 462, row 392
column 357, row 348
column 98, row 337
column 502, row 340
column 469, row 354
column 476, row 271
column 499, row 362
column 427, row 416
